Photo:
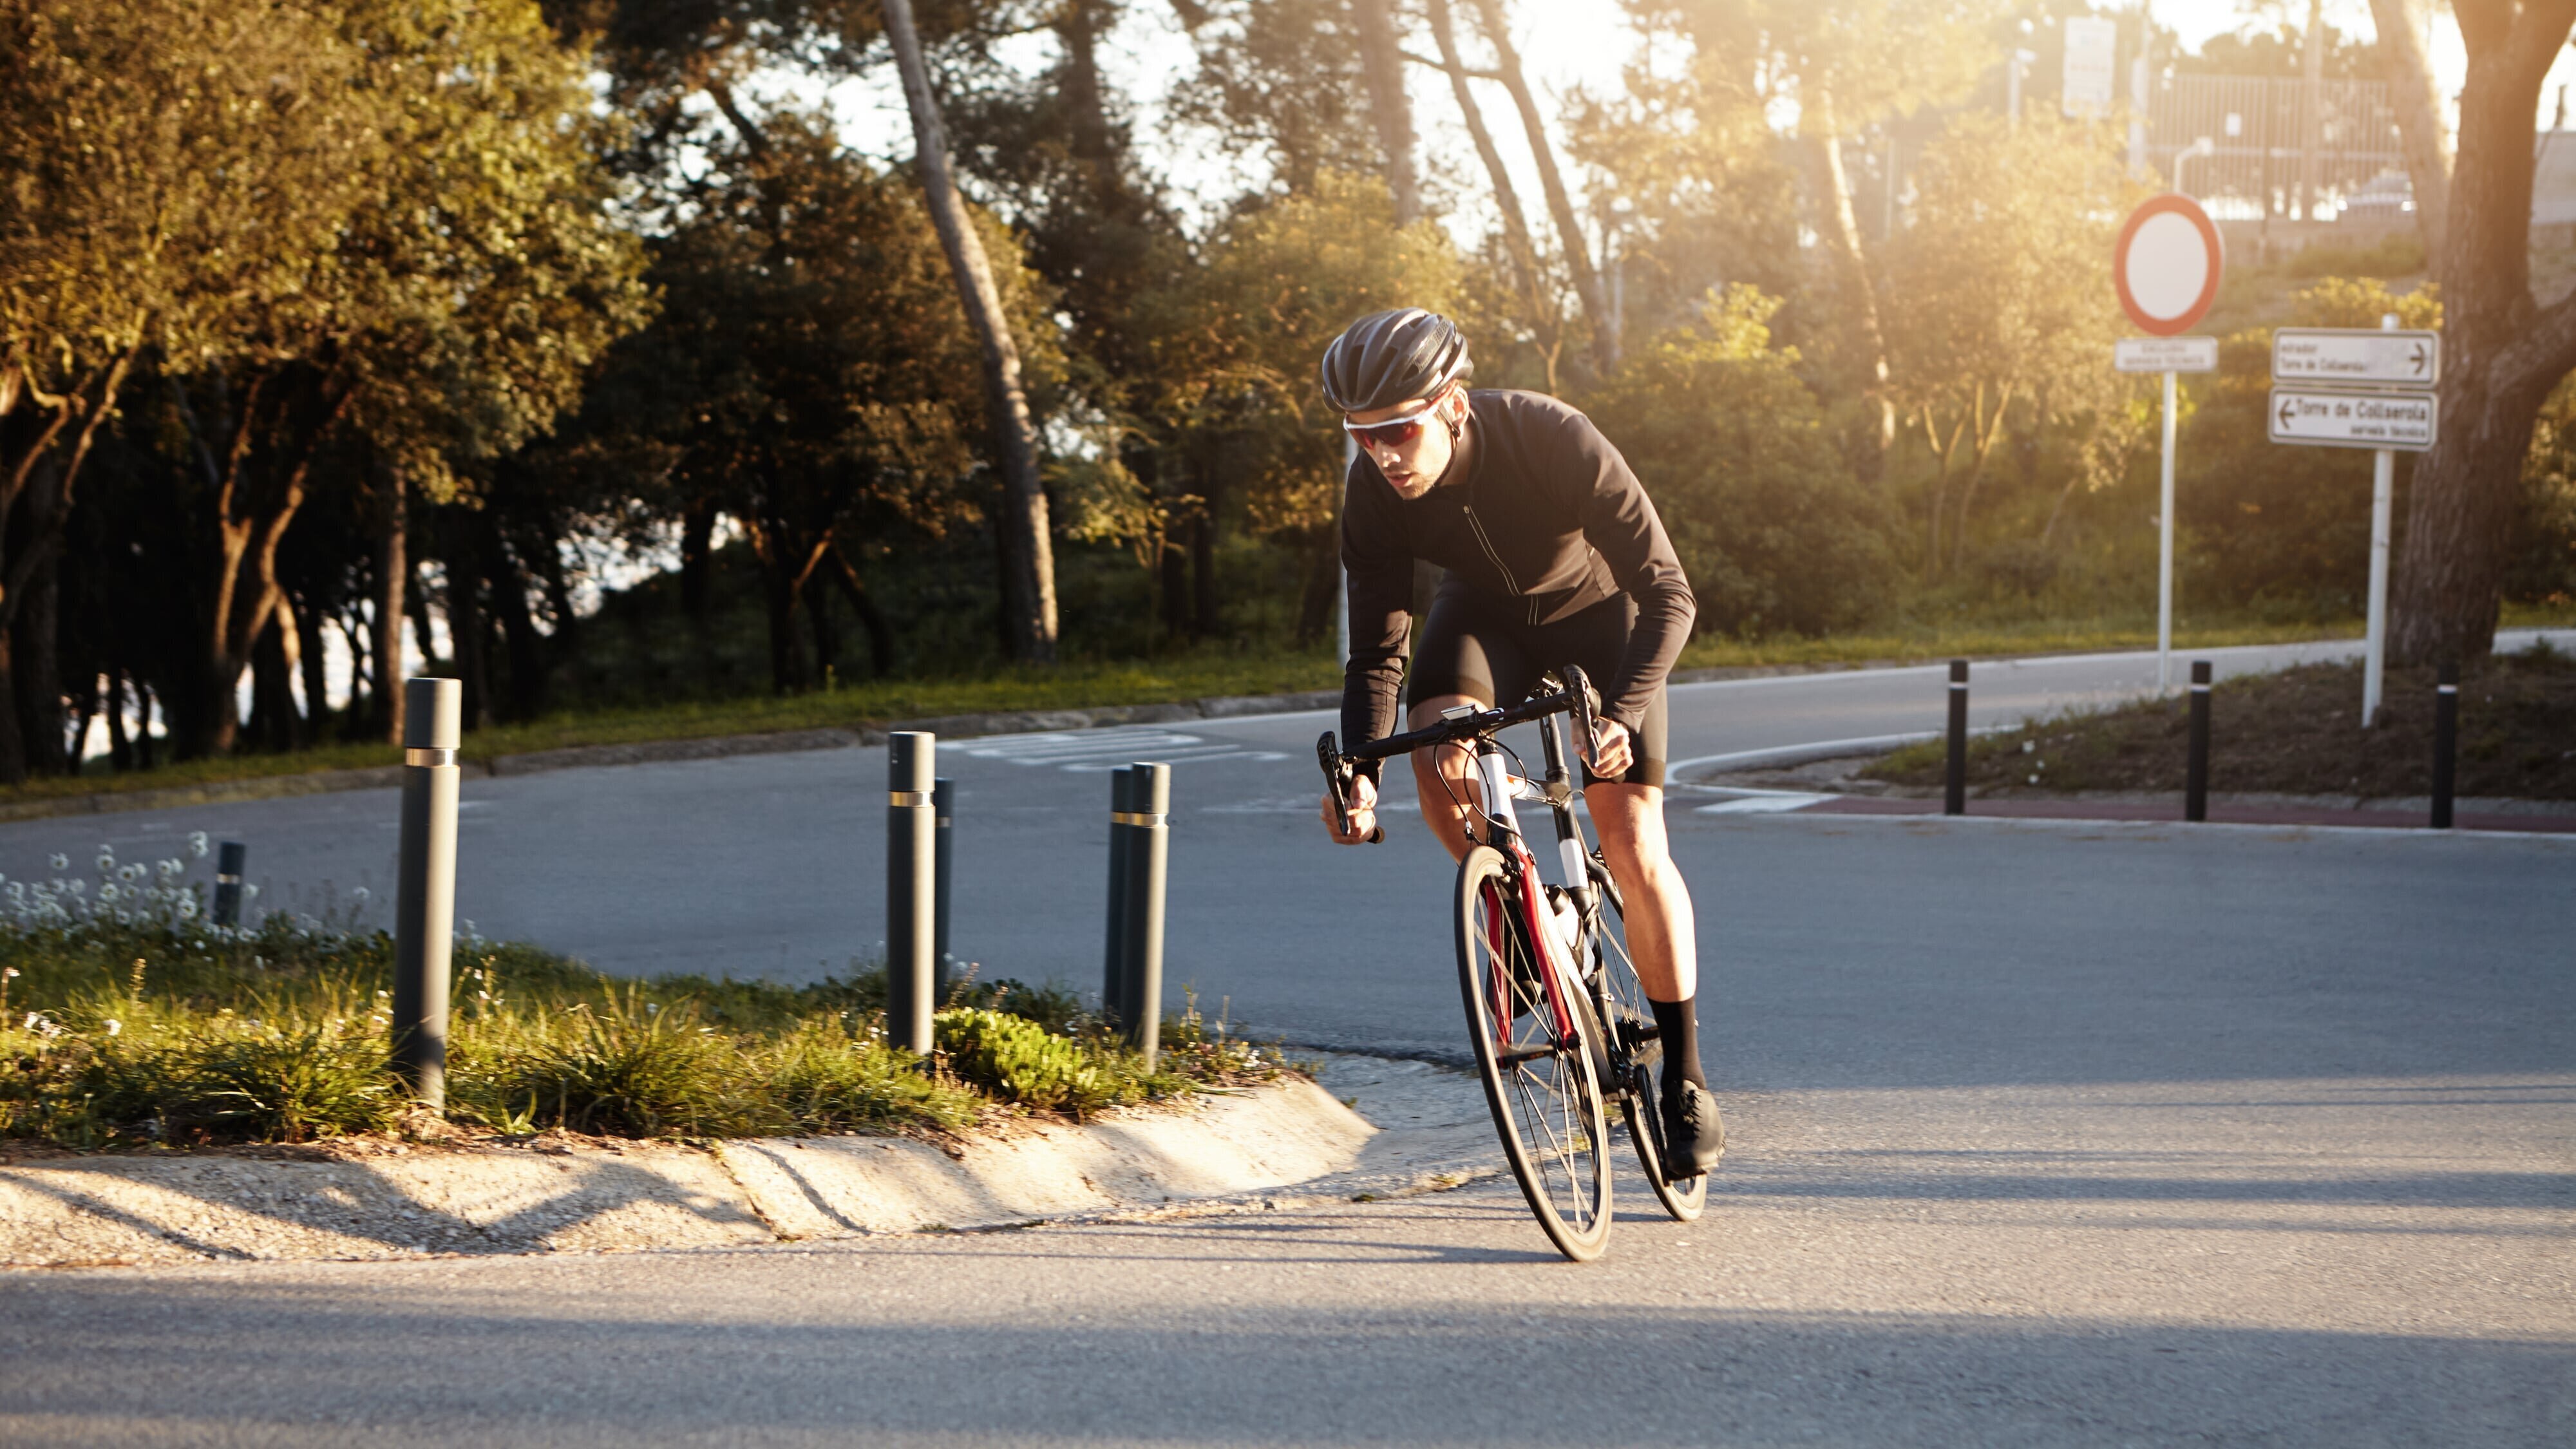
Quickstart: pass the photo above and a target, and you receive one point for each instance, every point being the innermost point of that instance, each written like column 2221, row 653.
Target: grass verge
column 129, row 1023
column 2296, row 732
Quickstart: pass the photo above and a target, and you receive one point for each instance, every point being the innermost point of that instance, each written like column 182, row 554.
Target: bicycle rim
column 1629, row 1012
column 1538, row 1079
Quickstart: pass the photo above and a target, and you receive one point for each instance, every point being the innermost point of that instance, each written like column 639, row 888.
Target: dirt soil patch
column 2296, row 732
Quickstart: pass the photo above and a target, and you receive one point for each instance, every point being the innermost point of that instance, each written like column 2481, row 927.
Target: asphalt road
column 2044, row 1134
column 774, row 865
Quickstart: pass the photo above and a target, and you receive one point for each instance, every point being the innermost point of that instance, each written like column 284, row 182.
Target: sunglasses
column 1394, row 432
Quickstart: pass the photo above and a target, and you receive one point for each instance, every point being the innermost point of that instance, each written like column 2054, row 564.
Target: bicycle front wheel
column 1536, row 1065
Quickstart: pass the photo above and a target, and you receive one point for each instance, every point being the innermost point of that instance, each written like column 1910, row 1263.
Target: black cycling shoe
column 1694, row 1134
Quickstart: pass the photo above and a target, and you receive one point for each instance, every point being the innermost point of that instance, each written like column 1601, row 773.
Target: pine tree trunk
column 393, row 574
column 1841, row 230
column 1516, row 232
column 1569, row 234
column 2501, row 352
column 2417, row 99
column 1389, row 108
column 1028, row 583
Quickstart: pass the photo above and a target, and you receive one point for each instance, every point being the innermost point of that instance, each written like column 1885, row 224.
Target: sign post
column 2166, row 267
column 2351, row 387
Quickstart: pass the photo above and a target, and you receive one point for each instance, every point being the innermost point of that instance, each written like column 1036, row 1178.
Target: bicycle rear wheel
column 1631, row 1017
column 1538, row 1074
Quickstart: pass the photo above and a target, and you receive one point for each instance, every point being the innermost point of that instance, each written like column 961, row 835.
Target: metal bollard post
column 1955, row 801
column 1113, row 975
column 943, row 804
column 1148, row 826
column 228, row 882
column 425, row 899
column 912, row 889
column 2446, row 743
column 2195, row 779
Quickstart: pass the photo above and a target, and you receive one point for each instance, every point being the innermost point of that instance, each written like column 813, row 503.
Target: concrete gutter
column 399, row 1202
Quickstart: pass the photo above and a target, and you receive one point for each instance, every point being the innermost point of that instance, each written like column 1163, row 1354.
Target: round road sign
column 2166, row 265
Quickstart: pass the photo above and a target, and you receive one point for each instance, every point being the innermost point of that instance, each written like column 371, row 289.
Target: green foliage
column 1020, row 1061
column 1777, row 535
column 157, row 1029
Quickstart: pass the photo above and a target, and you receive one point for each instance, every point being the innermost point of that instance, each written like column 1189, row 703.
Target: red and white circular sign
column 2167, row 264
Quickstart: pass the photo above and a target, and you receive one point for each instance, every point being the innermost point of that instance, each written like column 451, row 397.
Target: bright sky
column 1563, row 42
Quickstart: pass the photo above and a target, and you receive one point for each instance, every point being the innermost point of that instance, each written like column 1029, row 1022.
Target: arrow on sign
column 2418, row 358
column 2287, row 408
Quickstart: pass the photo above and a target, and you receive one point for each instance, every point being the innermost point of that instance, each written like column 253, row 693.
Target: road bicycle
column 1558, row 1020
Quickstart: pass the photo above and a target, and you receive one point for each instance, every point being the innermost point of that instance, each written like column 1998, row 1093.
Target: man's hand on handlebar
column 1363, row 818
column 1611, row 753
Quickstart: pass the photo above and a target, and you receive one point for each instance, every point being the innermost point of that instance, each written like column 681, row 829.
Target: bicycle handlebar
column 1338, row 764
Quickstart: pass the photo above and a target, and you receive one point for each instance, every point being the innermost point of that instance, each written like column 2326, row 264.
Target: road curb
column 149, row 1209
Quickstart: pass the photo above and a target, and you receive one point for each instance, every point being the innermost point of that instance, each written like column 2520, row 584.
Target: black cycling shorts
column 1478, row 647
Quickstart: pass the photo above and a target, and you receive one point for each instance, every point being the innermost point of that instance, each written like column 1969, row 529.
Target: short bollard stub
column 1954, row 796
column 425, row 888
column 2195, row 789
column 912, row 889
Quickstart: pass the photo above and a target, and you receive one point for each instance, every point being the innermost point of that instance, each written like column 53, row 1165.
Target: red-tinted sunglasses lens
column 1388, row 435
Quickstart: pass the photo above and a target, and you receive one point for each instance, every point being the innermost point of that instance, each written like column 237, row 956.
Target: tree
column 811, row 374
column 1240, row 344
column 1560, row 207
column 2502, row 351
column 1850, row 64
column 1389, row 108
column 1029, row 580
column 172, row 169
column 452, row 320
column 2420, row 126
column 2000, row 300
column 1777, row 535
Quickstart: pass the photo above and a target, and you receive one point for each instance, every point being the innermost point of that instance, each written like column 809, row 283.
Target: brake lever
column 1337, row 776
column 1584, row 711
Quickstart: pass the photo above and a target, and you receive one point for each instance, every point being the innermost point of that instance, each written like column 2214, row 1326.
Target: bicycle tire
column 1625, row 996
column 1539, row 1082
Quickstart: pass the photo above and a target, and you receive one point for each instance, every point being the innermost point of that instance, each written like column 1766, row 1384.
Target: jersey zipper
column 1500, row 567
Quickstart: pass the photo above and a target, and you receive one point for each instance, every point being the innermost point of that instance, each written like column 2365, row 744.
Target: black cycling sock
column 1677, row 1024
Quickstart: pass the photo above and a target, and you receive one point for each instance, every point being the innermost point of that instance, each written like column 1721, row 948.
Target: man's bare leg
column 1662, row 934
column 1444, row 775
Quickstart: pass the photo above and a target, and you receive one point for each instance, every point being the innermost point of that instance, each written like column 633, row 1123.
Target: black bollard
column 425, row 889
column 229, row 859
column 2195, row 778
column 1113, row 971
column 912, row 889
column 943, row 801
column 2446, row 743
column 1147, row 827
column 1955, row 802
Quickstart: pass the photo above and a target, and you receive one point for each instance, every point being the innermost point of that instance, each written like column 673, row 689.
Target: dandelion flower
column 61, row 861
column 197, row 843
column 114, row 1026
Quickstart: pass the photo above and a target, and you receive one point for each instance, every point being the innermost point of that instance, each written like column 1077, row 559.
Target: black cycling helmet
column 1388, row 357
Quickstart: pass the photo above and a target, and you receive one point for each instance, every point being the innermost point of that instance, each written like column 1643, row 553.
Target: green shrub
column 832, row 1079
column 1019, row 1061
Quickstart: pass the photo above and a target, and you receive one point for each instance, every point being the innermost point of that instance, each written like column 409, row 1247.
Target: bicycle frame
column 1498, row 788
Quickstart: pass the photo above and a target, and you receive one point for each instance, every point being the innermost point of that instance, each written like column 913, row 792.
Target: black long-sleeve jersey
column 1539, row 510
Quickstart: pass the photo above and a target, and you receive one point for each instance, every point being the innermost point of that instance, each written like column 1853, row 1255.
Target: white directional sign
column 2165, row 354
column 2092, row 61
column 2403, row 421
column 2367, row 357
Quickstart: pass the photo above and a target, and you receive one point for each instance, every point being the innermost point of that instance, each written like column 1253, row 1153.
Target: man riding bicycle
column 1552, row 555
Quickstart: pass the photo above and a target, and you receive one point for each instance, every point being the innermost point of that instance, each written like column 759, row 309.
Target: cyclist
column 1552, row 555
